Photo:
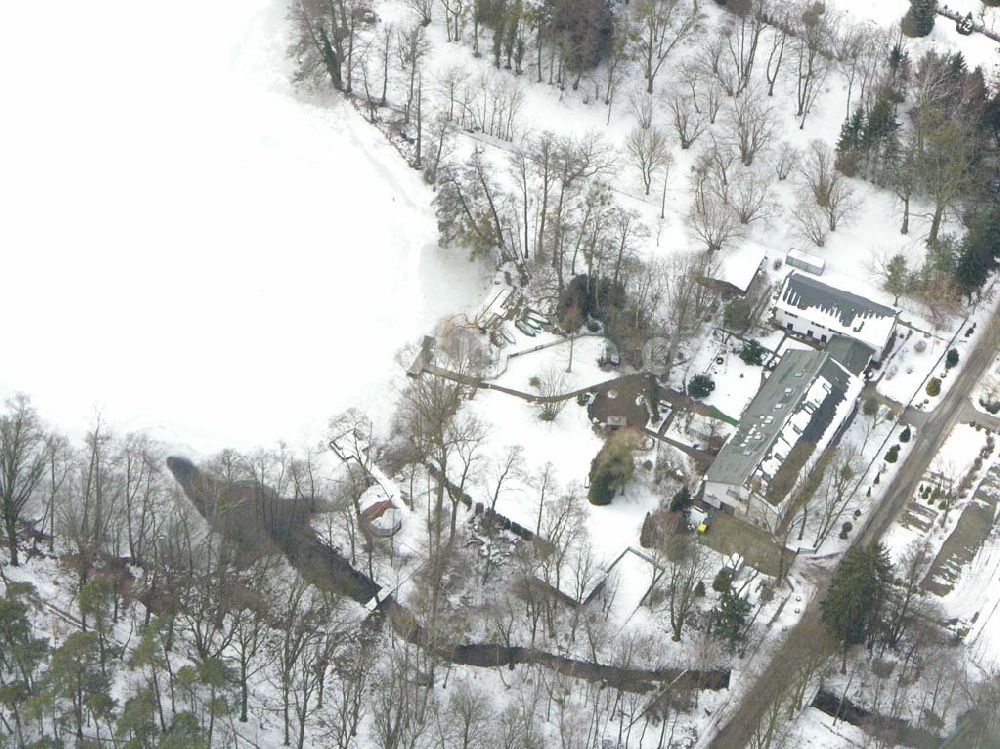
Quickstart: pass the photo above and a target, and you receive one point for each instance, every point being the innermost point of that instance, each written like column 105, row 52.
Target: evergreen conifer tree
column 919, row 20
column 852, row 608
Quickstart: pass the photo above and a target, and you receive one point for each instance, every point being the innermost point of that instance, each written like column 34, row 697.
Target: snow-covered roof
column 802, row 399
column 738, row 267
column 837, row 310
column 805, row 260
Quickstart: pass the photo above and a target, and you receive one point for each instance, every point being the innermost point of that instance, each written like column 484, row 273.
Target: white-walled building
column 809, row 307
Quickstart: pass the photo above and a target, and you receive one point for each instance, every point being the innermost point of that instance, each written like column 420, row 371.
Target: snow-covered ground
column 921, row 355
column 190, row 248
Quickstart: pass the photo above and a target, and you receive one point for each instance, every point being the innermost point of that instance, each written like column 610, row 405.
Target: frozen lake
column 186, row 245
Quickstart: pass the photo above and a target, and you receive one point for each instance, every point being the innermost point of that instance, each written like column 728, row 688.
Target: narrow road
column 808, row 634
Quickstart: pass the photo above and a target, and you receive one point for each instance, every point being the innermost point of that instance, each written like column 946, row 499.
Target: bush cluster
column 934, row 387
column 700, row 386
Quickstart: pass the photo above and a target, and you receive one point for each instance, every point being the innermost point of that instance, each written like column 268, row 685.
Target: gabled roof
column 800, row 400
column 838, row 310
column 739, row 267
column 854, row 355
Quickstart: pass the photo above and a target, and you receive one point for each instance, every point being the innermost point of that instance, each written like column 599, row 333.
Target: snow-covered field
column 188, row 247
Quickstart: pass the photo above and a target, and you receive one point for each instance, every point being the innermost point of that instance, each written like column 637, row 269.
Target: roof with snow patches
column 800, row 400
column 837, row 310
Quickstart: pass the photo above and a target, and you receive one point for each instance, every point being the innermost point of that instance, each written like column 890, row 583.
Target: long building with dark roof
column 814, row 309
column 801, row 407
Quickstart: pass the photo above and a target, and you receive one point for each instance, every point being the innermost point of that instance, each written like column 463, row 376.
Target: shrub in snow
column 731, row 616
column 752, row 352
column 722, row 580
column 612, row 468
column 700, row 386
column 905, row 435
column 646, row 533
column 920, row 346
column 738, row 315
column 699, row 589
column 870, row 406
column 535, row 381
column 893, row 455
column 951, row 359
column 681, row 501
column 845, row 529
column 933, row 387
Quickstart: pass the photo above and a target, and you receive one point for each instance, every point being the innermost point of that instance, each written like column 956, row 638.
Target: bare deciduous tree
column 648, row 151
column 776, row 46
column 640, row 105
column 717, row 223
column 830, row 189
column 751, row 196
column 836, row 493
column 742, row 36
column 685, row 566
column 660, row 25
column 424, row 9
column 454, row 18
column 717, row 66
column 688, row 121
column 411, row 47
column 22, row 465
column 752, row 125
column 685, row 298
column 327, row 32
column 810, row 222
column 786, row 160
column 815, row 28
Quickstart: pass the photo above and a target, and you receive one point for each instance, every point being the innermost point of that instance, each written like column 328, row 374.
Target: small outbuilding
column 807, row 261
column 738, row 268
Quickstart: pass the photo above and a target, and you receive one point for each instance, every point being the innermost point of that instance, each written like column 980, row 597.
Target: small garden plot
column 924, row 365
column 960, row 548
column 568, row 442
column 704, row 353
column 546, row 369
column 954, row 507
column 975, row 601
column 973, row 528
column 730, row 536
column 958, row 454
column 615, row 527
column 699, row 431
column 986, row 396
column 736, row 382
column 631, row 577
column 817, row 730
